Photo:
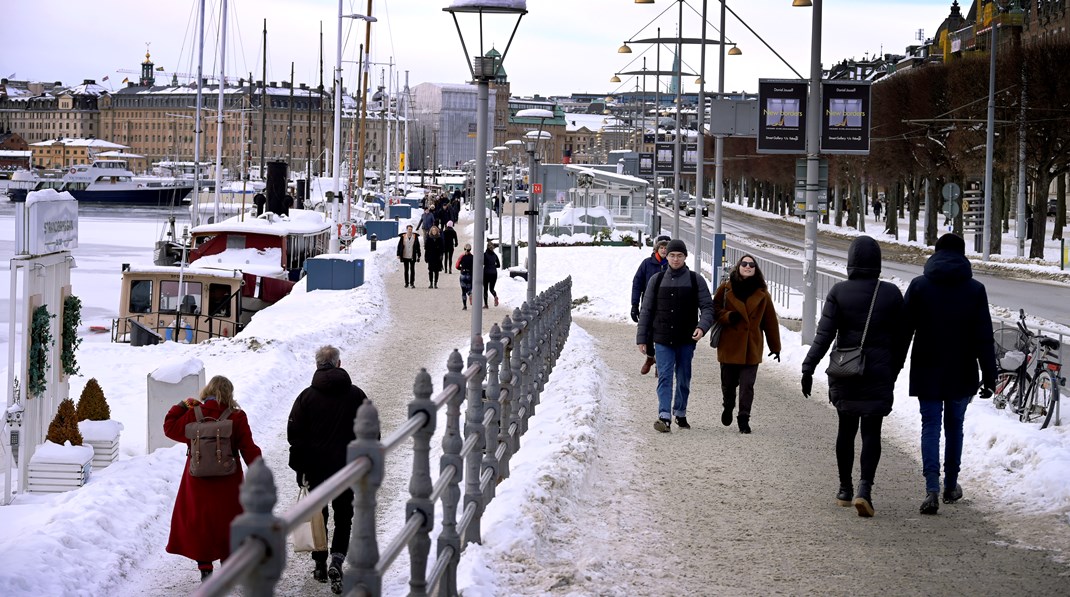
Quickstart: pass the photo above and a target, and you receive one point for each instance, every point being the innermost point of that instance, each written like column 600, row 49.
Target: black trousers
column 742, row 377
column 410, row 271
column 488, row 284
column 447, row 260
column 845, row 445
column 343, row 522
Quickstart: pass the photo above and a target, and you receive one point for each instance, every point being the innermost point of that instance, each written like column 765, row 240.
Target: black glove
column 776, row 355
column 986, row 392
column 807, row 384
column 635, row 313
column 734, row 317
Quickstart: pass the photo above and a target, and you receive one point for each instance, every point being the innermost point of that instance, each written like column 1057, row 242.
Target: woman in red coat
column 205, row 506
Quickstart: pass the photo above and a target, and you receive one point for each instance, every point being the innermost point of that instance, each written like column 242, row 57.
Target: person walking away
column 319, row 430
column 648, row 268
column 409, row 254
column 449, row 239
column 205, row 506
column 433, row 250
column 746, row 312
column 860, row 307
column 876, row 209
column 676, row 312
column 464, row 266
column 490, row 274
column 947, row 315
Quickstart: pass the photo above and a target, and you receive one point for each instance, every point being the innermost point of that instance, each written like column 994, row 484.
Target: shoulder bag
column 715, row 331
column 845, row 363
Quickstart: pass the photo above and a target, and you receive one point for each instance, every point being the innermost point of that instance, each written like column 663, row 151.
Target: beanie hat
column 677, row 246
column 951, row 242
column 449, row 224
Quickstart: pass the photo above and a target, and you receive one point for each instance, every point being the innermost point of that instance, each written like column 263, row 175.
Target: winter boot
column 931, row 504
column 647, row 364
column 863, row 502
column 334, row 573
column 662, row 425
column 726, row 415
column 843, row 496
column 744, row 423
column 319, row 573
column 952, row 495
column 205, row 569
column 681, row 422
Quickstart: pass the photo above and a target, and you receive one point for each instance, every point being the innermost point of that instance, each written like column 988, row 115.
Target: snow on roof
column 177, row 369
column 119, row 154
column 620, row 179
column 87, row 89
column 188, row 271
column 300, row 221
column 95, row 143
column 574, row 121
column 510, row 4
column 262, row 262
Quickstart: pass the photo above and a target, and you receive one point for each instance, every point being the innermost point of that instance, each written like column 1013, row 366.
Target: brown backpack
column 211, row 452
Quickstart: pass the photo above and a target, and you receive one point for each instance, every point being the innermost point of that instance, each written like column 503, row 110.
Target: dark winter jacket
column 449, row 236
column 671, row 314
column 321, row 423
column 843, row 319
column 415, row 246
column 490, row 264
column 427, row 220
column 947, row 314
column 741, row 343
column 464, row 266
column 434, row 246
column 649, row 266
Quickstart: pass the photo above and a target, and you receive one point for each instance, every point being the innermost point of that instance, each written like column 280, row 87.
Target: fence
column 519, row 357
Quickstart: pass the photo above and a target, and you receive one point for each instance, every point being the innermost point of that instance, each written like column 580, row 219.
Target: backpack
column 211, row 452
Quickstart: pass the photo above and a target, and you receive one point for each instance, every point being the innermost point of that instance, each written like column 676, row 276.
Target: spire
column 148, row 76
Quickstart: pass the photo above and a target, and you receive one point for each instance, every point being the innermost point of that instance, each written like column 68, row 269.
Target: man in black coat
column 319, row 430
column 947, row 313
column 648, row 268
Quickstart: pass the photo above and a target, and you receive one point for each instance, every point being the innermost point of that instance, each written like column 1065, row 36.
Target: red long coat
column 205, row 506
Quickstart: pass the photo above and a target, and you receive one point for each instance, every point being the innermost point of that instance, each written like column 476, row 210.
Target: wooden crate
column 46, row 477
column 104, row 452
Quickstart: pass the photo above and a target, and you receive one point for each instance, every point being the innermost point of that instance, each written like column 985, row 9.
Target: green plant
column 92, row 406
column 72, row 318
column 627, row 238
column 604, row 235
column 40, row 343
column 64, row 426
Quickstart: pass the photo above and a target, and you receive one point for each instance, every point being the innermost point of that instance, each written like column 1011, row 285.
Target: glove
column 807, row 384
column 734, row 317
column 635, row 313
column 986, row 391
column 776, row 355
column 190, row 403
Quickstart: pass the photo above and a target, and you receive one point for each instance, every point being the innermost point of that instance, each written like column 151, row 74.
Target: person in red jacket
column 205, row 506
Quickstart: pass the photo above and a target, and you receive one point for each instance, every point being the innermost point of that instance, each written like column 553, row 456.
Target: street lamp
column 513, row 144
column 813, row 162
column 483, row 70
column 336, row 168
column 531, row 141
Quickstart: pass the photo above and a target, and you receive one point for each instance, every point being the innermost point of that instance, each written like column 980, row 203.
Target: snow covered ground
column 89, row 541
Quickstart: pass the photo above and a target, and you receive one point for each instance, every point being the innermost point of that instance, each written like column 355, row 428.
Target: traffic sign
column 951, row 191
column 536, row 188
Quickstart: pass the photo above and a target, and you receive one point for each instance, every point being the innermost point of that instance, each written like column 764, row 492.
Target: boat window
column 235, row 241
column 140, row 296
column 171, row 298
column 219, row 300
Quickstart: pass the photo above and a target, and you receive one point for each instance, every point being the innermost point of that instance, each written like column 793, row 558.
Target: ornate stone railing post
column 495, row 350
column 363, row 546
column 473, row 425
column 516, row 362
column 451, row 457
column 420, row 484
column 507, row 397
column 258, row 496
column 528, row 357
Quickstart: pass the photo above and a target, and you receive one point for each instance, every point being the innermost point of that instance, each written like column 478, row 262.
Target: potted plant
column 62, row 463
column 96, row 426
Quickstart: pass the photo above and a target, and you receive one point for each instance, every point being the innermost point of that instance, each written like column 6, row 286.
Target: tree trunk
column 912, row 225
column 891, row 220
column 1060, row 208
column 1039, row 215
column 999, row 202
column 930, row 214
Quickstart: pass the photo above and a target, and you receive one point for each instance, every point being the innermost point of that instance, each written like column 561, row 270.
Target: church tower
column 148, row 74
column 500, row 85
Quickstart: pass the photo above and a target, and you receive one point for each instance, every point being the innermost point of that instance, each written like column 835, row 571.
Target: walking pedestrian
column 427, row 220
column 490, row 274
column 449, row 238
column 861, row 312
column 876, row 209
column 409, row 254
column 648, row 268
column 319, row 430
column 676, row 312
column 947, row 315
column 464, row 267
column 745, row 309
column 434, row 248
column 205, row 506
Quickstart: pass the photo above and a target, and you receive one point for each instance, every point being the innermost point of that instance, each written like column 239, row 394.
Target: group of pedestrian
column 319, row 430
column 944, row 316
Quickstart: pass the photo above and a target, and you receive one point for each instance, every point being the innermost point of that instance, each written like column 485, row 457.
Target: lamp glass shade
column 624, row 49
column 615, row 79
column 734, row 51
column 801, row 3
column 644, row 1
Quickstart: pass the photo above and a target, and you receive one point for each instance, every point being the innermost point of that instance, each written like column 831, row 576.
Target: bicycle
column 1029, row 376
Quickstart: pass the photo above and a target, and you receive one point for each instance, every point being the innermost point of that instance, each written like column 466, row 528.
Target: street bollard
column 373, row 239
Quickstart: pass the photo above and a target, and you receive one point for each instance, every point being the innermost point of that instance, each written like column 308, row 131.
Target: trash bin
column 507, row 256
column 372, row 240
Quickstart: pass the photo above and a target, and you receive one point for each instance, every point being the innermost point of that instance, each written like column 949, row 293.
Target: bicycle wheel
column 1040, row 404
column 1006, row 389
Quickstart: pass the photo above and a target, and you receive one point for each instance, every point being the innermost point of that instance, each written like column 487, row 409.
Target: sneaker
column 319, row 573
column 953, row 495
column 931, row 503
column 843, row 496
column 647, row 364
column 495, row 301
column 334, row 573
column 662, row 425
column 681, row 422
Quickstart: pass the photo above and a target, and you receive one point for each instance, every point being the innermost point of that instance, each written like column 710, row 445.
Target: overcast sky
column 561, row 46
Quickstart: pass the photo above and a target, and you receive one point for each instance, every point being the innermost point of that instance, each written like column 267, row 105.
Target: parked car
column 519, row 197
column 665, row 197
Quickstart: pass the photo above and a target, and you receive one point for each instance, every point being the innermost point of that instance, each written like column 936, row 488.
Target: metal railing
column 519, row 357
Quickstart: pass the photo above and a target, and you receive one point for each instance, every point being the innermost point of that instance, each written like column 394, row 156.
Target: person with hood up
column 745, row 309
column 449, row 237
column 648, row 268
column 864, row 401
column 947, row 314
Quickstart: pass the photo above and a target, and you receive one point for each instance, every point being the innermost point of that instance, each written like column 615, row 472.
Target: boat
column 108, row 181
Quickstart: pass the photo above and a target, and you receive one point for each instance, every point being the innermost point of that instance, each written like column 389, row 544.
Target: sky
column 560, row 47
column 99, row 553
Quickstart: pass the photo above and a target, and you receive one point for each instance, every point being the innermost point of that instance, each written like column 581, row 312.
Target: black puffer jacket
column 843, row 319
column 670, row 315
column 321, row 423
column 947, row 313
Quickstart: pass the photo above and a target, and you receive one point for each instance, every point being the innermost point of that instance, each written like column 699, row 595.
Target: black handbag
column 845, row 363
column 715, row 331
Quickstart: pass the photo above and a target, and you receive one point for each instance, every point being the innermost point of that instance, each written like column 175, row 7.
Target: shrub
column 72, row 317
column 40, row 344
column 91, row 405
column 64, row 427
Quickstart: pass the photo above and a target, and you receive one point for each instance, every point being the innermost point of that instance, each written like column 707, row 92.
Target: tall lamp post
column 513, row 253
column 337, row 165
column 483, row 70
column 813, row 162
column 531, row 140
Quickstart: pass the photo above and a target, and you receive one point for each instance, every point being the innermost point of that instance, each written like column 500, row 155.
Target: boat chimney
column 277, row 201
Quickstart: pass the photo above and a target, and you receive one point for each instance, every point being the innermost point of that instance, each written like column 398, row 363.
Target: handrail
column 500, row 389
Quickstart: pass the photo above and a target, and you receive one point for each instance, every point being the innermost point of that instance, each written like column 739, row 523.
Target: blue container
column 399, row 211
column 386, row 230
column 334, row 274
column 413, row 203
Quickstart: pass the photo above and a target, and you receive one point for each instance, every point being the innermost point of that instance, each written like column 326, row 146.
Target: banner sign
column 665, row 151
column 845, row 117
column 646, row 165
column 46, row 223
column 781, row 116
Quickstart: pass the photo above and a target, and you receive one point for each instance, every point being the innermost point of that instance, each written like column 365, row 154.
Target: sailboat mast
column 194, row 213
column 263, row 106
column 364, row 91
column 406, row 147
column 220, row 114
column 320, row 154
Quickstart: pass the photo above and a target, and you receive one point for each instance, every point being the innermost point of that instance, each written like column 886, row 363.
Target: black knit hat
column 677, row 246
column 951, row 242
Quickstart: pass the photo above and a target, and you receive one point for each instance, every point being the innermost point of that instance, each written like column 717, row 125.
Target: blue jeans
column 673, row 360
column 953, row 413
